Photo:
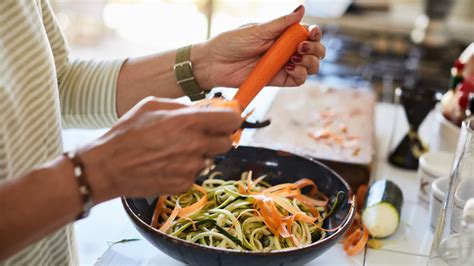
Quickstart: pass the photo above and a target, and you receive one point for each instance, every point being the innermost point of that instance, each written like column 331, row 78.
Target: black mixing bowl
column 281, row 167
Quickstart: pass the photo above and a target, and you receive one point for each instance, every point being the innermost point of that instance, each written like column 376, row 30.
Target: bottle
column 449, row 102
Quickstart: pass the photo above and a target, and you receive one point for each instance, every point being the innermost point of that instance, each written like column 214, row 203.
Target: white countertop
column 410, row 245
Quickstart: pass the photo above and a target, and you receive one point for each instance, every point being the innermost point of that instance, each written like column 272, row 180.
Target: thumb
column 275, row 28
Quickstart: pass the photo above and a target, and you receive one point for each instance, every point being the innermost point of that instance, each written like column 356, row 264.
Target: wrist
column 95, row 169
column 62, row 170
column 201, row 65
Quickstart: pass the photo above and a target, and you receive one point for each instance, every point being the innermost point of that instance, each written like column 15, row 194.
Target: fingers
column 315, row 33
column 297, row 72
column 307, row 56
column 312, row 48
column 212, row 121
column 274, row 28
column 218, row 145
column 150, row 104
column 154, row 104
column 310, row 62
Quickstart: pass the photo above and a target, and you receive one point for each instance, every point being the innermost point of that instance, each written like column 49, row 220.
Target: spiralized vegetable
column 245, row 215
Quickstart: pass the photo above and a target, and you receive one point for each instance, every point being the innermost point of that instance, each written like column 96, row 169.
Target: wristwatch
column 183, row 69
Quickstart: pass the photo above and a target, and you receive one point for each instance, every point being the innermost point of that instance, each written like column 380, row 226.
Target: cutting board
column 335, row 126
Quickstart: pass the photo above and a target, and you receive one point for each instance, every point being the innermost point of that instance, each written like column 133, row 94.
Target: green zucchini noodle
column 232, row 220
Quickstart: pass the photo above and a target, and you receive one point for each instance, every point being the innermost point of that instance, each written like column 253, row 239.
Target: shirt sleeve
column 87, row 88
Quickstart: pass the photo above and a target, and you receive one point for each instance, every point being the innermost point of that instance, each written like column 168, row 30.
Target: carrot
column 357, row 236
column 360, row 196
column 268, row 202
column 223, row 103
column 219, row 102
column 191, row 209
column 166, row 226
column 178, row 211
column 351, row 247
column 157, row 212
column 271, row 62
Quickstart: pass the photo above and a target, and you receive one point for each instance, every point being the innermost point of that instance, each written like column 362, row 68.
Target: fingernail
column 317, row 34
column 305, row 47
column 297, row 58
column 298, row 8
column 290, row 67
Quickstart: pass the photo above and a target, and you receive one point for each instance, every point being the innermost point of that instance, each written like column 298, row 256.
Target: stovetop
column 383, row 62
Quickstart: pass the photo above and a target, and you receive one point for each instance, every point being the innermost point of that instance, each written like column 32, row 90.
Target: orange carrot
column 219, row 102
column 178, row 211
column 167, row 225
column 223, row 103
column 272, row 206
column 357, row 236
column 271, row 62
column 157, row 212
column 191, row 209
column 360, row 196
column 356, row 241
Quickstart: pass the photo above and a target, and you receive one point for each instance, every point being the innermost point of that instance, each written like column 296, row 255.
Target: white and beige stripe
column 41, row 89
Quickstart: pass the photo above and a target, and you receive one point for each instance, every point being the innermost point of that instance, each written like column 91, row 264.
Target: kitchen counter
column 409, row 246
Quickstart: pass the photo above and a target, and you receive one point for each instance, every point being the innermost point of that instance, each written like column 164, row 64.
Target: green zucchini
column 382, row 208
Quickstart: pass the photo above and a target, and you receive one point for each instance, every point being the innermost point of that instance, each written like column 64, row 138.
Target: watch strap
column 183, row 69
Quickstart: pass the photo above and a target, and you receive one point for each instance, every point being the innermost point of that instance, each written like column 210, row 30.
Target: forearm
column 154, row 76
column 37, row 204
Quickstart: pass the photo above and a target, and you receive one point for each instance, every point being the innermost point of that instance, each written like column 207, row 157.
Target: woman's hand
column 157, row 148
column 232, row 55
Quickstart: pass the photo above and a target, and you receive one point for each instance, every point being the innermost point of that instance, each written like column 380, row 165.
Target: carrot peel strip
column 166, row 226
column 159, row 208
column 356, row 242
column 191, row 209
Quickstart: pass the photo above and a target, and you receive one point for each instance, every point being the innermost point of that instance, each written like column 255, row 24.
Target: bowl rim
column 342, row 229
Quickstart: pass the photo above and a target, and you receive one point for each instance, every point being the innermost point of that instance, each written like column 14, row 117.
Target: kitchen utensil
column 281, row 167
column 460, row 189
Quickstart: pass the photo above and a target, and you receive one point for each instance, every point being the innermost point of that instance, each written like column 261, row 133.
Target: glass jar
column 451, row 228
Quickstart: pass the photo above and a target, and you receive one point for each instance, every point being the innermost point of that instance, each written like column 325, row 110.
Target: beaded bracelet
column 84, row 187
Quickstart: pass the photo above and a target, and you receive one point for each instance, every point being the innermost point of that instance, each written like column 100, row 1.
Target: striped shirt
column 41, row 90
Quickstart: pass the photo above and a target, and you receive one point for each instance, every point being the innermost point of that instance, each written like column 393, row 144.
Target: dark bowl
column 282, row 167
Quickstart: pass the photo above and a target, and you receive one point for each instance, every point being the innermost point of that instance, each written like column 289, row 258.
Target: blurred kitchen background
column 375, row 44
column 379, row 44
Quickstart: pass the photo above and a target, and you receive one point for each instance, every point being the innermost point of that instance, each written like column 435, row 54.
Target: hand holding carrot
column 232, row 55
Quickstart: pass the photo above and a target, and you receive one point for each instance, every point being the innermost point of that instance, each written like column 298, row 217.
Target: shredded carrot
column 249, row 181
column 191, row 209
column 178, row 211
column 356, row 241
column 164, row 228
column 304, row 182
column 321, row 134
column 158, row 210
column 273, row 206
column 343, row 128
column 357, row 236
column 270, row 63
column 360, row 196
